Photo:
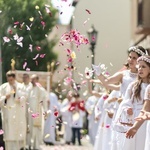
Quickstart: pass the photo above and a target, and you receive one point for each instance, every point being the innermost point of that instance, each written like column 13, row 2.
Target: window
column 140, row 4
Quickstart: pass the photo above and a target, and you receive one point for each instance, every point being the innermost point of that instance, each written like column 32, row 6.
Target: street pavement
column 86, row 145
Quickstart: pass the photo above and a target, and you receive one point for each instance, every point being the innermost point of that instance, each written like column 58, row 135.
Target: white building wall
column 111, row 19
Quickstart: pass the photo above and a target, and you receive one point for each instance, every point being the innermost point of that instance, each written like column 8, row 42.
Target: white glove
column 97, row 69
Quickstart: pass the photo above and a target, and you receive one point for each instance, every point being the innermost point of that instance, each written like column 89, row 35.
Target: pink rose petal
column 16, row 23
column 88, row 11
column 24, row 65
column 42, row 55
column 35, row 115
column 27, row 69
column 1, row 132
column 30, row 47
column 1, row 148
column 107, row 126
column 6, row 39
column 43, row 23
column 38, row 48
column 36, row 57
column 56, row 113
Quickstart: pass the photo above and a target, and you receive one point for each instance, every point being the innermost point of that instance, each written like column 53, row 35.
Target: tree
column 27, row 24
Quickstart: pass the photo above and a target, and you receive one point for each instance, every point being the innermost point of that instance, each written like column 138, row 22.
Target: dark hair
column 37, row 78
column 126, row 65
column 25, row 74
column 76, row 95
column 10, row 74
column 137, row 84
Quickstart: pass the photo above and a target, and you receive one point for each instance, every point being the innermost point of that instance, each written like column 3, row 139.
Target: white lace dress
column 138, row 142
column 147, row 141
column 128, row 77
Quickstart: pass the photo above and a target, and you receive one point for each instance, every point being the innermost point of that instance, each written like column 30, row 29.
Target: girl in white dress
column 104, row 131
column 90, row 108
column 144, row 115
column 123, row 78
column 133, row 103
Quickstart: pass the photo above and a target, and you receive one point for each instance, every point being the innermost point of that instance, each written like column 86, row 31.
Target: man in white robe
column 27, row 86
column 36, row 117
column 13, row 106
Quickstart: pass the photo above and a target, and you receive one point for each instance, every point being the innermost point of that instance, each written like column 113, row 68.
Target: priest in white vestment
column 27, row 86
column 36, row 114
column 13, row 106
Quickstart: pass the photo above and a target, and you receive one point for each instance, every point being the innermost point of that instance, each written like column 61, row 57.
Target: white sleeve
column 2, row 96
column 88, row 105
column 147, row 93
column 99, row 106
column 44, row 98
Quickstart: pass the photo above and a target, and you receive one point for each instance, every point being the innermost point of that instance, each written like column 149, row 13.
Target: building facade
column 112, row 21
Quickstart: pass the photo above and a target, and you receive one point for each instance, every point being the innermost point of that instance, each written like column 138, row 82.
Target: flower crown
column 138, row 51
column 143, row 58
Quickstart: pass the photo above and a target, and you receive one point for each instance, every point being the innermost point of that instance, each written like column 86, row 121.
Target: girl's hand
column 119, row 100
column 145, row 116
column 131, row 132
column 130, row 111
column 110, row 114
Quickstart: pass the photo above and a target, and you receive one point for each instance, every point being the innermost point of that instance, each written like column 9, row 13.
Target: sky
column 65, row 10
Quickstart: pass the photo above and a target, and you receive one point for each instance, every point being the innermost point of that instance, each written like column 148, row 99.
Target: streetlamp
column 92, row 33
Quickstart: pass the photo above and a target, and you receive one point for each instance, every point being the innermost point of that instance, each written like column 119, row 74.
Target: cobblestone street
column 86, row 145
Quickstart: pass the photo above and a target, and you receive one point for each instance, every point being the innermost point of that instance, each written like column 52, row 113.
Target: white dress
column 138, row 142
column 93, row 125
column 103, row 137
column 147, row 141
column 128, row 77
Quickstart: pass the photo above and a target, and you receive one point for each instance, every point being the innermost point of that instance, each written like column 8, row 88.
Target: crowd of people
column 29, row 114
column 120, row 115
column 117, row 112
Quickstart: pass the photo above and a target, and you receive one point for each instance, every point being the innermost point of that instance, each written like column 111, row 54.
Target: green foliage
column 27, row 14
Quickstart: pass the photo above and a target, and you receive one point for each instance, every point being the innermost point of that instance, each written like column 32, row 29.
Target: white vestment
column 66, row 118
column 13, row 115
column 27, row 88
column 35, row 115
column 50, row 123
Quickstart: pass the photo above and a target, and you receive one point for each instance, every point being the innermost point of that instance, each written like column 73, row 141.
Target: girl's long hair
column 137, row 85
